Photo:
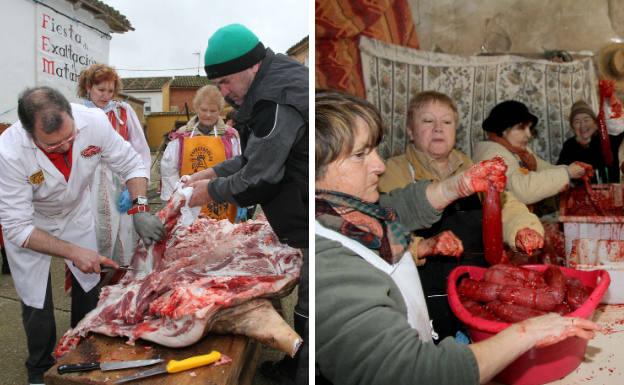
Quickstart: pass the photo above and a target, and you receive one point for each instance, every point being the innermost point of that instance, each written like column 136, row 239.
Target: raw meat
column 529, row 240
column 542, row 298
column 511, row 294
column 607, row 92
column 207, row 275
column 592, row 196
column 446, row 244
column 479, row 290
column 492, row 219
column 606, row 202
column 576, row 293
column 514, row 276
column 478, row 310
column 556, row 281
column 512, row 313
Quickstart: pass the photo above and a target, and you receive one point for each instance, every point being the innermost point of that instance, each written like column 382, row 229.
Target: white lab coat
column 115, row 234
column 60, row 208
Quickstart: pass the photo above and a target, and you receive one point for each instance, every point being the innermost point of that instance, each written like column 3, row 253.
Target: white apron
column 116, row 237
column 403, row 273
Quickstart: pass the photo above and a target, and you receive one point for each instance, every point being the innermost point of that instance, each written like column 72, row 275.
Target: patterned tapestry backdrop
column 394, row 74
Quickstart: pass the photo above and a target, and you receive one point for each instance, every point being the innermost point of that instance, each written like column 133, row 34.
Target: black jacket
column 273, row 169
column 572, row 151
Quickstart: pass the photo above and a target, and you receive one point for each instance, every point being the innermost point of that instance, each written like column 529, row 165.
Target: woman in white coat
column 99, row 85
column 48, row 160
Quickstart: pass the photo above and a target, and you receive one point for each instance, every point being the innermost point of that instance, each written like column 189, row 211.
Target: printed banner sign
column 64, row 48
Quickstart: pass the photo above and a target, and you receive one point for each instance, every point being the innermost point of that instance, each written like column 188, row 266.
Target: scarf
column 371, row 225
column 62, row 161
column 110, row 106
column 527, row 160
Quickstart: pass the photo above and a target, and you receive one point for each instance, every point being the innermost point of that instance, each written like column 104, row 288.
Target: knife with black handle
column 105, row 366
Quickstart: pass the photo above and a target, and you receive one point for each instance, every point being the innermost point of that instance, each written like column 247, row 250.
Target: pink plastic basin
column 538, row 365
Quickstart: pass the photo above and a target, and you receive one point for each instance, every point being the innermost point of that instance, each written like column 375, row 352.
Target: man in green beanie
column 270, row 94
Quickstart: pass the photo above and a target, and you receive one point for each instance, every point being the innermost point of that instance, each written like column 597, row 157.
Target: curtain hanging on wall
column 339, row 24
column 393, row 75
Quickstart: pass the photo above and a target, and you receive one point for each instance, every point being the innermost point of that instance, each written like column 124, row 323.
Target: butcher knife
column 104, row 366
column 121, row 267
column 174, row 366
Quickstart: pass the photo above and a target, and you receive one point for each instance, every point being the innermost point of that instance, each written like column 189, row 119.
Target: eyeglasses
column 54, row 147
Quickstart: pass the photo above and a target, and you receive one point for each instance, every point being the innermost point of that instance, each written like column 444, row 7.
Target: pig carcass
column 210, row 276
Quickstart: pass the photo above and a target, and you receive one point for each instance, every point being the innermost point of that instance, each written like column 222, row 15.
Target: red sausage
column 514, row 276
column 478, row 310
column 512, row 313
column 492, row 225
column 479, row 290
column 576, row 293
column 541, row 298
column 555, row 280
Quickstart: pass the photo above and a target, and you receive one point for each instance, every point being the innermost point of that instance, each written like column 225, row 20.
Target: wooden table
column 243, row 351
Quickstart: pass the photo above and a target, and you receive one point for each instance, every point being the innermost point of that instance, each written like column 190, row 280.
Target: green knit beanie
column 232, row 49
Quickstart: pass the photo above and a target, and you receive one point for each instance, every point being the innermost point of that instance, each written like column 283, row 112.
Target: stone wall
column 516, row 26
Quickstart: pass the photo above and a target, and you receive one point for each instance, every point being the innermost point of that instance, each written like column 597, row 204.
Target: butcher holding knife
column 48, row 160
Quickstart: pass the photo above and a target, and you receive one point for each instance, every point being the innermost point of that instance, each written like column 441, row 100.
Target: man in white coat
column 48, row 160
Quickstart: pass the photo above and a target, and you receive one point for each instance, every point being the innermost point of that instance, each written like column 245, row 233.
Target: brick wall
column 177, row 97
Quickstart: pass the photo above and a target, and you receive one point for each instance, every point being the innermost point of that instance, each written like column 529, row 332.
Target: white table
column 604, row 358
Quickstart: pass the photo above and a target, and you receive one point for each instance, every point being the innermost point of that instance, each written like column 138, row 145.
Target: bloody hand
column 528, row 240
column 589, row 170
column 445, row 243
column 491, row 171
column 476, row 179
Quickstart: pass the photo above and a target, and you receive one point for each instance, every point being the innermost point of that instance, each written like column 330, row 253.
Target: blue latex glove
column 461, row 338
column 241, row 215
column 124, row 203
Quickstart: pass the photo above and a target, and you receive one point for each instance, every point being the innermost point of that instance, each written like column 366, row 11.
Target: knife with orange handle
column 174, row 366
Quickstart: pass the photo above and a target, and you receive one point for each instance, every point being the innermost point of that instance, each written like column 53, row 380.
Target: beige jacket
column 528, row 186
column 414, row 165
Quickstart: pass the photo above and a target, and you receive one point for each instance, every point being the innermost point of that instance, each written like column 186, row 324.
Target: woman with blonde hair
column 99, row 85
column 202, row 143
column 432, row 124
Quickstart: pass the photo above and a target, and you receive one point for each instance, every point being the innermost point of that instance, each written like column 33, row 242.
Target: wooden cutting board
column 243, row 351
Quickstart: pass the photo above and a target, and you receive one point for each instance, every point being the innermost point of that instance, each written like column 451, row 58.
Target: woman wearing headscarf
column 371, row 318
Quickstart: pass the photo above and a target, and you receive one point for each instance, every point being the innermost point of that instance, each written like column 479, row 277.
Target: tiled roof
column 301, row 44
column 124, row 96
column 115, row 20
column 190, row 81
column 144, row 84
